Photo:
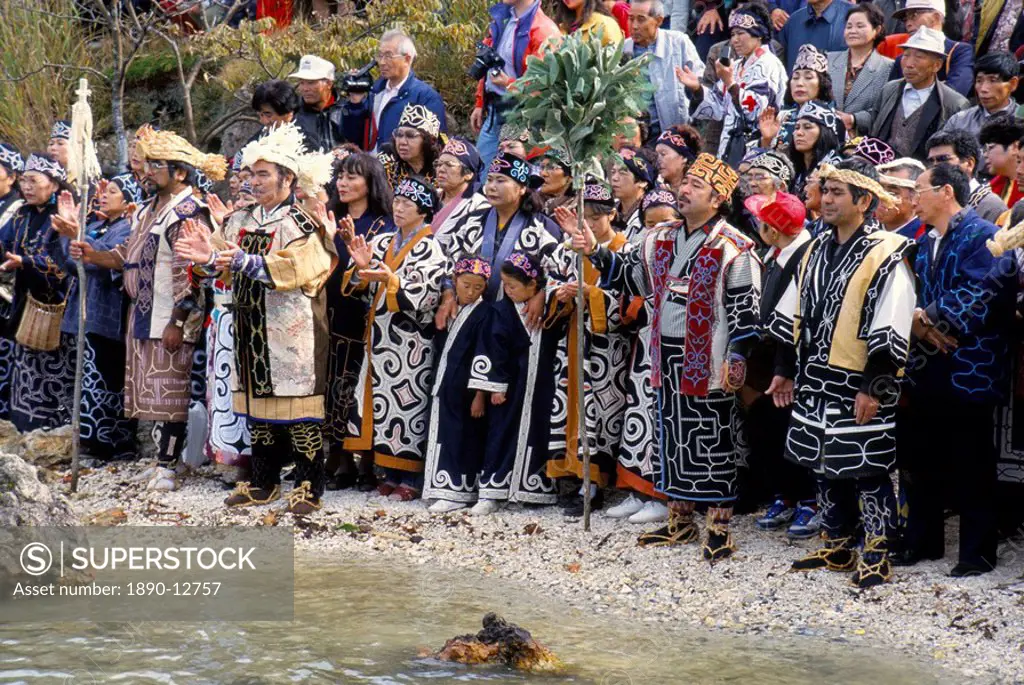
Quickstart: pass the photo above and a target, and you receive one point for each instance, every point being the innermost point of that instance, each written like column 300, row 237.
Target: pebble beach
column 972, row 628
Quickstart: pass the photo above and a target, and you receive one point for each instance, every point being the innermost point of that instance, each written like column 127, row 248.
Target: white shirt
column 914, row 98
column 786, row 253
column 386, row 96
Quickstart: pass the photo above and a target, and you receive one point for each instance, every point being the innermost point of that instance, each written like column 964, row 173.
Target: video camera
column 358, row 81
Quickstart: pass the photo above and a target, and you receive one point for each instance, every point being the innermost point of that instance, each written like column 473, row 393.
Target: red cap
column 785, row 214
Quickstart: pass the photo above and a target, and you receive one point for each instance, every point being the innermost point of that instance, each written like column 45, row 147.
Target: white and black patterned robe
column 705, row 288
column 848, row 313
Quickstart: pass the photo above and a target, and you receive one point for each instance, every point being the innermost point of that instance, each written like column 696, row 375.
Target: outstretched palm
column 194, row 243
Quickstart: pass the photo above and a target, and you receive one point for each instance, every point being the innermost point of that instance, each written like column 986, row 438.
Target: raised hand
column 225, row 257
column 584, row 241
column 11, row 262
column 194, row 243
column 347, row 229
column 566, row 220
column 381, row 274
column 710, row 22
column 218, row 210
column 768, row 124
column 360, row 252
column 689, row 79
column 65, row 221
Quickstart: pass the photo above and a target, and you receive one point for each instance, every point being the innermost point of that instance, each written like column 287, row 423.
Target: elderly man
column 704, row 280
column 957, row 70
column 669, row 50
column 961, row 148
column 519, row 29
column 165, row 314
column 914, row 107
column 276, row 258
column 898, row 178
column 325, row 121
column 847, row 369
column 397, row 87
column 958, row 375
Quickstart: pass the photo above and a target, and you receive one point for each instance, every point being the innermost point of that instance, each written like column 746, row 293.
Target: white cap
column 313, row 68
column 932, row 5
column 928, row 40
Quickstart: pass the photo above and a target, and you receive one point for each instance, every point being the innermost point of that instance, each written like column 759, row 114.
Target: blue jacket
column 412, row 92
column 824, row 32
column 957, row 70
column 974, row 294
column 104, row 299
column 910, row 231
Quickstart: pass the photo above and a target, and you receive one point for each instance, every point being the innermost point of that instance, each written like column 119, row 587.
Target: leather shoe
column 909, row 557
column 965, row 570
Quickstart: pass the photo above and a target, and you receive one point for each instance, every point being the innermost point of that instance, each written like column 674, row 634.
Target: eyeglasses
column 759, row 178
column 388, row 56
column 407, row 135
column 925, row 190
column 548, row 166
column 154, row 165
column 447, row 165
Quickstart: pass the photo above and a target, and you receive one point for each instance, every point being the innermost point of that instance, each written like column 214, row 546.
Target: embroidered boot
column 302, row 501
column 718, row 544
column 244, row 495
column 680, row 530
column 874, row 567
column 837, row 554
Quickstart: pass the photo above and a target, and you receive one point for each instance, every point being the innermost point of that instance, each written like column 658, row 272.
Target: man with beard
column 166, row 313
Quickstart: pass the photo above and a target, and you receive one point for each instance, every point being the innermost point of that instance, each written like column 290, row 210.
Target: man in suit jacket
column 862, row 102
column 916, row 106
column 957, row 70
column 669, row 50
column 396, row 88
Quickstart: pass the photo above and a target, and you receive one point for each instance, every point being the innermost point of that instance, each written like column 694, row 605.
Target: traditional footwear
column 806, row 523
column 403, row 493
column 778, row 515
column 681, row 530
column 486, row 507
column 874, row 567
column 444, row 506
column 244, row 495
column 341, row 481
column 625, row 508
column 385, row 489
column 837, row 554
column 653, row 511
column 301, row 501
column 718, row 545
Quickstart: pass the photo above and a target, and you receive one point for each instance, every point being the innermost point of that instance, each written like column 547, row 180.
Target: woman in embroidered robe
column 39, row 380
column 514, row 365
column 414, row 147
column 457, row 171
column 637, row 468
column 754, row 81
column 106, row 433
column 809, row 80
column 631, row 176
column 606, row 352
column 361, row 192
column 400, row 275
column 458, row 425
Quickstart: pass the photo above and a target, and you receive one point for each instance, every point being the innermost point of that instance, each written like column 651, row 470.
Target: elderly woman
column 676, row 148
column 752, row 80
column 456, row 171
column 770, row 173
column 414, row 146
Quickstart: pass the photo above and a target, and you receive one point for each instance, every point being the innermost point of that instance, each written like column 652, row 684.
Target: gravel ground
column 973, row 627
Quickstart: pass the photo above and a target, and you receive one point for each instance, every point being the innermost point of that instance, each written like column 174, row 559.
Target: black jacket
column 327, row 128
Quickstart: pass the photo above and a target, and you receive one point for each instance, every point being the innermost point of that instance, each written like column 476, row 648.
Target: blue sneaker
column 806, row 523
column 778, row 515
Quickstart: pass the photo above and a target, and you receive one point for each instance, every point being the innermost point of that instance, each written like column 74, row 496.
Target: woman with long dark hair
column 818, row 131
column 808, row 81
column 361, row 200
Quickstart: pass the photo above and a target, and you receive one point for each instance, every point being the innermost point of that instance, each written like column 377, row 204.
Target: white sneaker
column 486, row 507
column 443, row 506
column 652, row 512
column 626, row 507
column 164, row 480
column 145, row 475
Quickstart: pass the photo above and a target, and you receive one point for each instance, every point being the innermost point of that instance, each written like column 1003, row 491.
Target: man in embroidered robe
column 166, row 312
column 277, row 259
column 705, row 282
column 844, row 327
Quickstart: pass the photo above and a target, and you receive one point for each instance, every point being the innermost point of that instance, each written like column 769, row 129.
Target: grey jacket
column 867, row 87
column 941, row 105
column 671, row 49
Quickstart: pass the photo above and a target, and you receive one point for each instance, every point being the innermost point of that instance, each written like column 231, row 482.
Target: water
column 367, row 623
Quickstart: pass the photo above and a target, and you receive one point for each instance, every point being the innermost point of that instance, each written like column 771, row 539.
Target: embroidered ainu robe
column 280, row 319
column 158, row 382
column 632, row 225
column 704, row 286
column 606, row 354
column 391, row 413
column 517, row 362
column 455, row 445
column 848, row 314
column 478, row 234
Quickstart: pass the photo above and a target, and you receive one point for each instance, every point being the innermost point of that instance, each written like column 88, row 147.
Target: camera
column 358, row 81
column 486, row 59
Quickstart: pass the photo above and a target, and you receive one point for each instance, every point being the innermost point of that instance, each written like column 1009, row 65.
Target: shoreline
column 967, row 627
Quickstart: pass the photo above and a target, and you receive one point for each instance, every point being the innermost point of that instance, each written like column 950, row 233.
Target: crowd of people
column 796, row 299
